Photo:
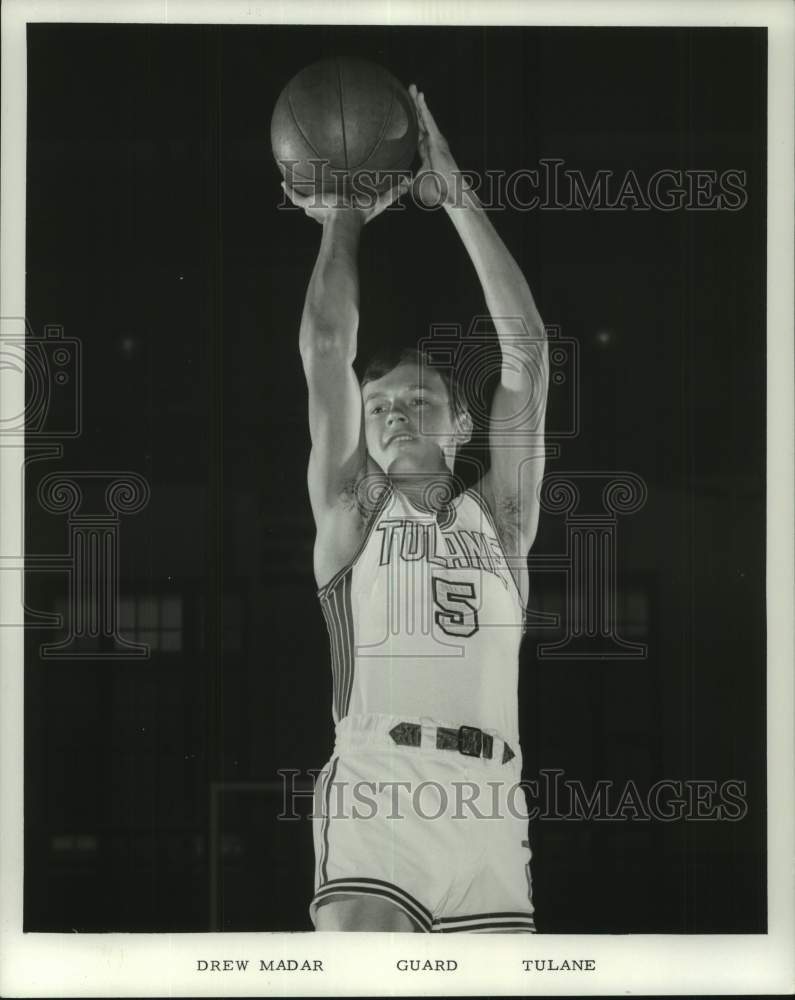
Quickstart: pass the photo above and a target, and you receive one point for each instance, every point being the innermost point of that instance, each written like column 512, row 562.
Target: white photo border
column 49, row 965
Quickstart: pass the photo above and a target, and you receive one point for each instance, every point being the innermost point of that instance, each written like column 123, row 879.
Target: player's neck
column 429, row 492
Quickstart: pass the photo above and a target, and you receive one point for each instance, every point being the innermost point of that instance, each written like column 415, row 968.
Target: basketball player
column 423, row 587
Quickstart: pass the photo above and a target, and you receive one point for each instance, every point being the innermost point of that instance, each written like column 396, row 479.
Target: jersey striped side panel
column 338, row 613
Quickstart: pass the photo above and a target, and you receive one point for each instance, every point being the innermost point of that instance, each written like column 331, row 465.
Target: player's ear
column 465, row 427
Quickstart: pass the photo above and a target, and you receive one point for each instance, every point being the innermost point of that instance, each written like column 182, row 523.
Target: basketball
column 350, row 113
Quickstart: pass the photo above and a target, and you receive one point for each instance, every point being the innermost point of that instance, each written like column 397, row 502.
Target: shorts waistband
column 412, row 733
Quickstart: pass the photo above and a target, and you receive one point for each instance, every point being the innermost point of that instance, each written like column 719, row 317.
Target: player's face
column 409, row 425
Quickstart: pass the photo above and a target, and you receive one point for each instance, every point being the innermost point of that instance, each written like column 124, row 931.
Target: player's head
column 415, row 417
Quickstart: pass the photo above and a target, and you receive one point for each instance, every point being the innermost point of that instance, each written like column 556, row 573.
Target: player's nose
column 395, row 416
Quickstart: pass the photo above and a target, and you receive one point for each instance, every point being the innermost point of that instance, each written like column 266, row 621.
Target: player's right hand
column 320, row 206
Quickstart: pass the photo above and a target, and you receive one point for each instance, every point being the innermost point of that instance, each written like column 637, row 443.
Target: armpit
column 349, row 495
column 507, row 510
column 363, row 492
column 507, row 505
column 508, row 521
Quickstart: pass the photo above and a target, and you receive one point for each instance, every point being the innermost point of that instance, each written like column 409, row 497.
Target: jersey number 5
column 456, row 612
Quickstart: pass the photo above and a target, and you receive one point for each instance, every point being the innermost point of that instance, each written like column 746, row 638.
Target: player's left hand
column 438, row 180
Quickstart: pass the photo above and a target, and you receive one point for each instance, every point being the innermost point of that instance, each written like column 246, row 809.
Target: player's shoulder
column 345, row 524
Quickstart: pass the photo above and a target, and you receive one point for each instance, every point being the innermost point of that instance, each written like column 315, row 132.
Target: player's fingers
column 400, row 188
column 300, row 200
column 422, row 143
column 426, row 188
column 414, row 93
column 430, row 121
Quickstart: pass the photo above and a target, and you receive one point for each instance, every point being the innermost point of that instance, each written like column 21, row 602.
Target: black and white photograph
column 397, row 461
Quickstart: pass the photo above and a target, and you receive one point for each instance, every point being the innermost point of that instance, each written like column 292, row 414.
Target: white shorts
column 440, row 834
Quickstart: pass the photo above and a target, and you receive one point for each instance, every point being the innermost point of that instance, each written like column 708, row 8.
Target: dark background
column 154, row 239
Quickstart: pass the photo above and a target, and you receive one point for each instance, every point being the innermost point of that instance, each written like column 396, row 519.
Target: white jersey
column 427, row 619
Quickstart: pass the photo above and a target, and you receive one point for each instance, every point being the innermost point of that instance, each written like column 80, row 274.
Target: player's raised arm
column 327, row 342
column 519, row 406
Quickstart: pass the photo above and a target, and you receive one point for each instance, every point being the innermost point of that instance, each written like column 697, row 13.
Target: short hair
column 386, row 361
